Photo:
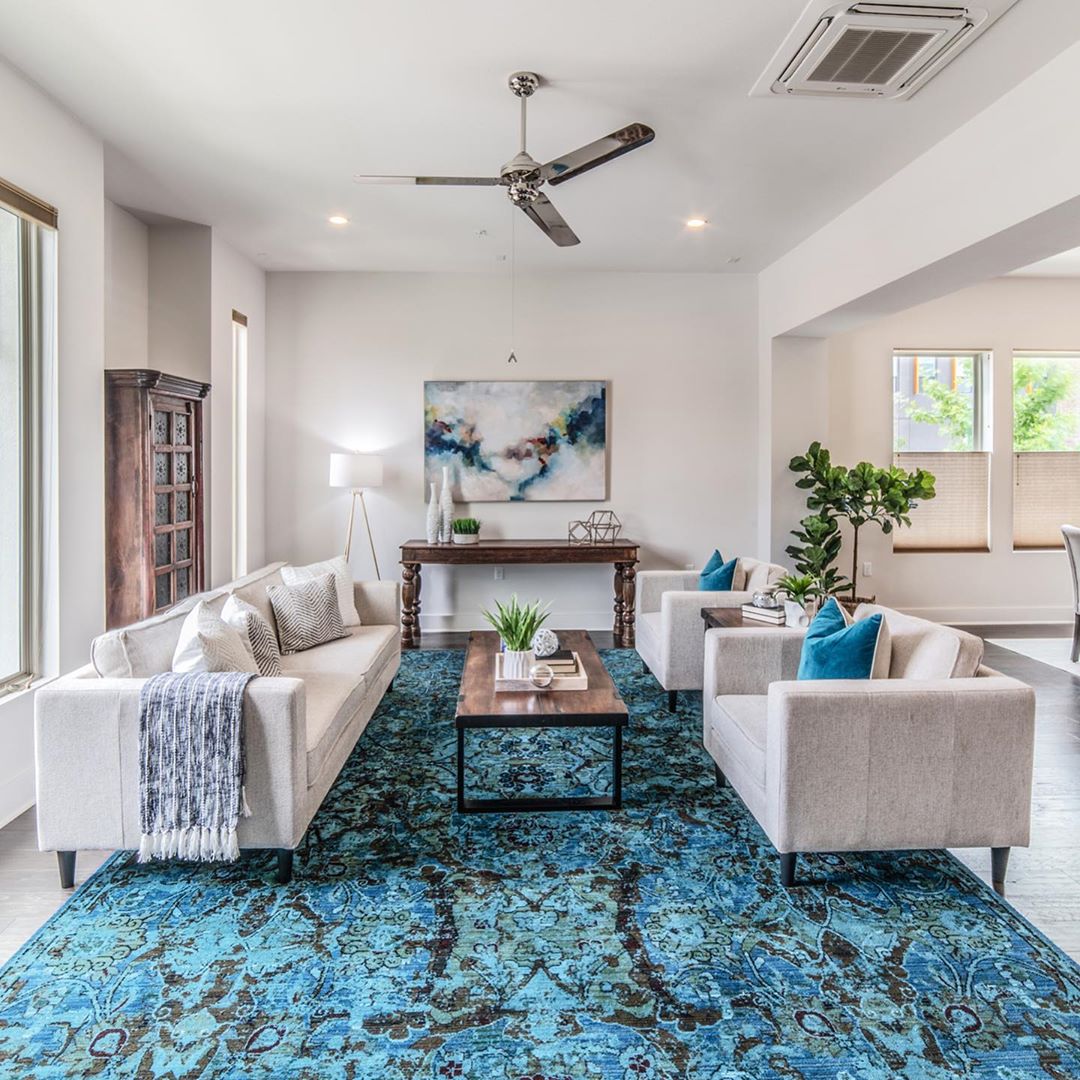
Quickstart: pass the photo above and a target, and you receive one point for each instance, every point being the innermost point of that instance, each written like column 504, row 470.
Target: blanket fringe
column 198, row 843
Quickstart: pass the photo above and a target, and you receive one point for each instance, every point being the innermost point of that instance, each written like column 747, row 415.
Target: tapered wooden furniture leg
column 284, row 866
column 787, row 868
column 410, row 605
column 673, row 700
column 721, row 779
column 1076, row 638
column 66, row 862
column 999, row 862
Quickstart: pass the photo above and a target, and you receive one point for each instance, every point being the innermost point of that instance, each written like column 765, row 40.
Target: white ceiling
column 1065, row 264
column 253, row 115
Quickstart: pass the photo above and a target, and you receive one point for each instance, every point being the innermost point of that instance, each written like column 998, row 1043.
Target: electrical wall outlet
column 500, row 573
column 689, row 566
column 867, row 569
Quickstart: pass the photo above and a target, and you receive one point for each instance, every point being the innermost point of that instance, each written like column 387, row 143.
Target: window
column 941, row 423
column 27, row 268
column 1046, row 447
column 240, row 442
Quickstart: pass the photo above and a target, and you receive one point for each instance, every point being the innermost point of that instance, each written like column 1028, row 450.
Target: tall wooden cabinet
column 153, row 492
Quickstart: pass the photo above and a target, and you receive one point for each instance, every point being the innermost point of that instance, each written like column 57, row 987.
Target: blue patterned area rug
column 651, row 943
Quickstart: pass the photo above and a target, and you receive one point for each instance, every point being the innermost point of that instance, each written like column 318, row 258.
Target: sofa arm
column 745, row 660
column 652, row 584
column 86, row 733
column 378, row 602
column 899, row 763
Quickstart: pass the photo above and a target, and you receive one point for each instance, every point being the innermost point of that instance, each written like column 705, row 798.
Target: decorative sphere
column 541, row 675
column 545, row 642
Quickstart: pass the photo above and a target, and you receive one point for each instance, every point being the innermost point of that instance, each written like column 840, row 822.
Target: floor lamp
column 357, row 471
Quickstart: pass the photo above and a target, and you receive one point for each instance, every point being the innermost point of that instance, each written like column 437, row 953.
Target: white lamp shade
column 356, row 470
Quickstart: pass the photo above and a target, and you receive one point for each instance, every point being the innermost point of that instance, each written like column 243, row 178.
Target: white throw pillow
column 208, row 643
column 256, row 632
column 343, row 582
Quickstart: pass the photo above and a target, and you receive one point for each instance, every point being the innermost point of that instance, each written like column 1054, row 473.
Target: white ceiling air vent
column 873, row 50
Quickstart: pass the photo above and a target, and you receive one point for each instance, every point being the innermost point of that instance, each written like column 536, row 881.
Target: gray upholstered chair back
column 1072, row 546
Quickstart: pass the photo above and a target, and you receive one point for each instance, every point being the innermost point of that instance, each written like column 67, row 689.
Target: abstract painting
column 517, row 441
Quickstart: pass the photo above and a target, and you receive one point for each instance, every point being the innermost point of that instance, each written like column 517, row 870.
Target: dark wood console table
column 623, row 554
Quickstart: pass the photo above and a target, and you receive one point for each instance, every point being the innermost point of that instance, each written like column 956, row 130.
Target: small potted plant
column 798, row 590
column 516, row 624
column 466, row 530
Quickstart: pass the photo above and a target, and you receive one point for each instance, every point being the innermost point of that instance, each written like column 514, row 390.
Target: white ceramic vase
column 447, row 508
column 434, row 516
column 466, row 538
column 518, row 664
column 796, row 614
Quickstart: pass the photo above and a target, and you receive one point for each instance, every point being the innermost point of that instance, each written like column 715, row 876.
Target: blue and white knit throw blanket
column 191, row 765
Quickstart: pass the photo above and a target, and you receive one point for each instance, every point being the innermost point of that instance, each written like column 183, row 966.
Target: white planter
column 517, row 665
column 466, row 538
column 796, row 614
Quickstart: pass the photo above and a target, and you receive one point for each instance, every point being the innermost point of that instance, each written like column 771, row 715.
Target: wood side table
column 622, row 554
column 733, row 617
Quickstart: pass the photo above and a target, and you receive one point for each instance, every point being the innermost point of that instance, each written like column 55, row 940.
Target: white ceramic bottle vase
column 447, row 515
column 434, row 516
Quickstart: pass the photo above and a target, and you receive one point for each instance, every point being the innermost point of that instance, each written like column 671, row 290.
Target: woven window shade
column 958, row 518
column 1046, row 495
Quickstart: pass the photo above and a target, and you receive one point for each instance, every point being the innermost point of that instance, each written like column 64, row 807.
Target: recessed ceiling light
column 338, row 219
column 696, row 223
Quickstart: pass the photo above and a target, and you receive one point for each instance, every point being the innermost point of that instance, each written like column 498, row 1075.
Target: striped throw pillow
column 256, row 631
column 306, row 614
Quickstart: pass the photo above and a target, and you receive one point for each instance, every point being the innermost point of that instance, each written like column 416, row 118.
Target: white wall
column 347, row 356
column 1002, row 315
column 127, row 289
column 48, row 153
column 235, row 285
column 180, row 300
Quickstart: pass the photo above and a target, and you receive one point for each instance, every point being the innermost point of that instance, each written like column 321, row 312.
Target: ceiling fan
column 523, row 175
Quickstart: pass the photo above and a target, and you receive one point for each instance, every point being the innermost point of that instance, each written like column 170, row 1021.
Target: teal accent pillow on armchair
column 717, row 575
column 834, row 650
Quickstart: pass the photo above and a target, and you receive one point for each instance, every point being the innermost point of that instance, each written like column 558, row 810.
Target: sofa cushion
column 718, row 579
column 307, row 614
column 835, row 648
column 208, row 643
column 252, row 590
column 738, row 726
column 146, row 648
column 335, row 684
column 343, row 583
column 926, row 650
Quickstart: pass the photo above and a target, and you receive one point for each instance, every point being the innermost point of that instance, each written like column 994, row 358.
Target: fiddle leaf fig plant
column 862, row 495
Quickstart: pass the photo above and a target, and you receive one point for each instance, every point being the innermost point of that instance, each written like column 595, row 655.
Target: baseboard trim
column 992, row 616
column 19, row 794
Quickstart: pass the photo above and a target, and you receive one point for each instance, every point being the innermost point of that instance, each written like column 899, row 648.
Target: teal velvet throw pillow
column 834, row 650
column 717, row 575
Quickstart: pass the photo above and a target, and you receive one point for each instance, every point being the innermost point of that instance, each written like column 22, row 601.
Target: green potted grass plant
column 516, row 624
column 799, row 591
column 465, row 530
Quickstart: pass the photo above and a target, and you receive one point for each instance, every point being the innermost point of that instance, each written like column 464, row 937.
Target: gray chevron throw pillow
column 257, row 632
column 306, row 614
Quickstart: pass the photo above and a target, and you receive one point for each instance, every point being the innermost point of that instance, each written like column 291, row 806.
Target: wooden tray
column 578, row 681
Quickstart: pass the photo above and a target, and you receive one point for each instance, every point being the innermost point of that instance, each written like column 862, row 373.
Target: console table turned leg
column 410, row 605
column 625, row 588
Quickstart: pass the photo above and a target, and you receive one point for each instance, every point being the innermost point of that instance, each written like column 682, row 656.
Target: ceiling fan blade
column 596, row 153
column 551, row 221
column 424, row 181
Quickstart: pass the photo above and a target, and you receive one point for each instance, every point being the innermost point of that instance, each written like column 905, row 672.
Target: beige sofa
column 298, row 729
column 937, row 755
column 670, row 633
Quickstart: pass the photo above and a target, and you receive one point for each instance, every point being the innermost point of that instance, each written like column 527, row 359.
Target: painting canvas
column 518, row 441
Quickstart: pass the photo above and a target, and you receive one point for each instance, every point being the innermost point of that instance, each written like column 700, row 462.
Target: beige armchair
column 670, row 633
column 937, row 755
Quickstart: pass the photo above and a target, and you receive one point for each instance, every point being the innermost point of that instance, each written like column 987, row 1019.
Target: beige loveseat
column 298, row 729
column 937, row 755
column 670, row 633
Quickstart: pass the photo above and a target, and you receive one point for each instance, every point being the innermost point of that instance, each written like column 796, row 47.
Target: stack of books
column 562, row 662
column 772, row 616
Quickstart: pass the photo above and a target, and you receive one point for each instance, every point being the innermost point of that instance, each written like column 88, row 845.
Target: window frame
column 37, row 308
column 982, row 437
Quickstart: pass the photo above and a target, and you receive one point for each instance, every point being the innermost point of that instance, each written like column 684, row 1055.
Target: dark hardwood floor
column 1043, row 880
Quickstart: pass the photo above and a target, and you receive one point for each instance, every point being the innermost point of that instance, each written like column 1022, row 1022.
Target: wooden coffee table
column 480, row 706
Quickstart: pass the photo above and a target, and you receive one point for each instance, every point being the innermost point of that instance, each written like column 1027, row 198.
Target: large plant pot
column 850, row 603
column 517, row 664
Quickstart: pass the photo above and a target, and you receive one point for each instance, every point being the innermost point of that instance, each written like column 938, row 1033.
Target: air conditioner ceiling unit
column 873, row 50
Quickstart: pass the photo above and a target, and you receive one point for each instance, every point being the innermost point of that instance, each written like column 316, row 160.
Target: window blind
column 958, row 519
column 25, row 205
column 1046, row 495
